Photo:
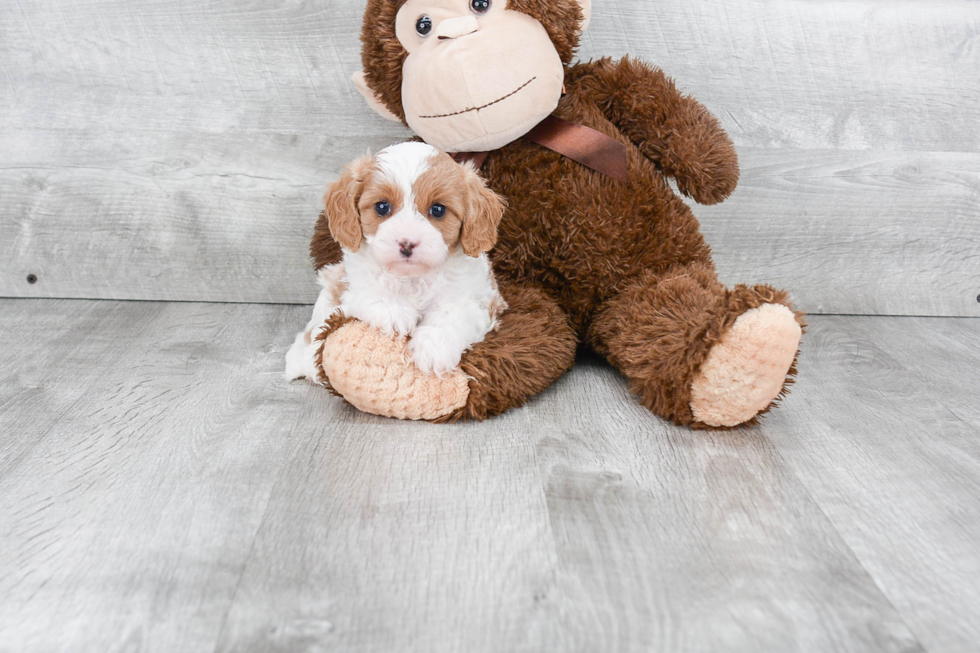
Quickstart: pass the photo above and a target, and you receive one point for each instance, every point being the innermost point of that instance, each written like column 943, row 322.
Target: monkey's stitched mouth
column 488, row 104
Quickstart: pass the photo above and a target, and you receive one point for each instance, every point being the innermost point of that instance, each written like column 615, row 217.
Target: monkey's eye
column 437, row 211
column 382, row 208
column 423, row 25
column 480, row 6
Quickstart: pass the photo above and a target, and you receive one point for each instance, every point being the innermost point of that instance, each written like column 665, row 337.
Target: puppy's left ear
column 485, row 209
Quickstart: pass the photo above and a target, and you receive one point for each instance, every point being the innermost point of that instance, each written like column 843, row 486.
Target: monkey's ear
column 484, row 212
column 586, row 7
column 372, row 99
column 343, row 214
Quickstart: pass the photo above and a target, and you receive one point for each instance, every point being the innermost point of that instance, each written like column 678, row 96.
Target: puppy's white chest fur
column 444, row 311
column 458, row 281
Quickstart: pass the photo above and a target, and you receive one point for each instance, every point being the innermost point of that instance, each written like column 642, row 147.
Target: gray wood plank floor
column 162, row 488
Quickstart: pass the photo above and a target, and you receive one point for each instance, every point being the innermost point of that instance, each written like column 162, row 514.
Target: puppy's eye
column 382, row 208
column 437, row 211
column 424, row 25
column 480, row 6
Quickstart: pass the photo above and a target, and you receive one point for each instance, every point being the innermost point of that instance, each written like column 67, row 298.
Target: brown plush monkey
column 582, row 257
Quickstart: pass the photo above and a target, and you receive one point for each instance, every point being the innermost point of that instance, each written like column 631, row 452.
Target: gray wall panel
column 166, row 150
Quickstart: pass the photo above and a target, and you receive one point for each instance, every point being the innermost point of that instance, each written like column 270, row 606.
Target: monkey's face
column 478, row 75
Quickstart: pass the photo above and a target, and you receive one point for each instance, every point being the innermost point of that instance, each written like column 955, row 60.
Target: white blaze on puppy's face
column 413, row 207
column 399, row 237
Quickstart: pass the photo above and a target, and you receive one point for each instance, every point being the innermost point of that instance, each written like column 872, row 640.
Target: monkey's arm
column 673, row 130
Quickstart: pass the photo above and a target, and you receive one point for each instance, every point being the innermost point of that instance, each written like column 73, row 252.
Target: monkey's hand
column 673, row 130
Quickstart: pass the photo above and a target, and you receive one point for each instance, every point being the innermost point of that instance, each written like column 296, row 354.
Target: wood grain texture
column 888, row 443
column 163, row 488
column 633, row 501
column 820, row 74
column 813, row 222
column 160, row 150
column 540, row 532
column 814, row 74
column 139, row 445
column 187, row 218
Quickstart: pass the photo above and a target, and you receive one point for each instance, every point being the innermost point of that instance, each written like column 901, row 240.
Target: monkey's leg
column 533, row 345
column 696, row 352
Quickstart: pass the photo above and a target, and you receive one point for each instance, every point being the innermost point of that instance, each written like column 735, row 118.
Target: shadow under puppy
column 414, row 227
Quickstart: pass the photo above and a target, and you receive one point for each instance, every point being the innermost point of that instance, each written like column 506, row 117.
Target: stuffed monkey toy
column 595, row 248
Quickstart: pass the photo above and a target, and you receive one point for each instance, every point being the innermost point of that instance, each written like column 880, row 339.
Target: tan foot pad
column 746, row 370
column 375, row 374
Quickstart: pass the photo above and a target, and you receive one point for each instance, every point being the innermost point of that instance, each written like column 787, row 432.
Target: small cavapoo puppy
column 415, row 227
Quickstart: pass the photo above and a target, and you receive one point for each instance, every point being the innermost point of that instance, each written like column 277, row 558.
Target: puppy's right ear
column 486, row 209
column 341, row 200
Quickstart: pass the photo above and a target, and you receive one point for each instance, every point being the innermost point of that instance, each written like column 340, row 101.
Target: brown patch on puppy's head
column 378, row 188
column 443, row 183
column 473, row 211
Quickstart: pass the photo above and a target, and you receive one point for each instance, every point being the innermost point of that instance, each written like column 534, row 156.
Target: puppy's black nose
column 406, row 247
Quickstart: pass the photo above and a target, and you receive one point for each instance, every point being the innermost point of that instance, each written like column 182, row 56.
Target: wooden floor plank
column 675, row 540
column 386, row 536
column 942, row 354
column 581, row 523
column 126, row 526
column 885, row 434
column 52, row 353
column 163, row 488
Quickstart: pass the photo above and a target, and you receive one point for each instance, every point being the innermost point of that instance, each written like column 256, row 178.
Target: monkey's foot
column 747, row 370
column 375, row 374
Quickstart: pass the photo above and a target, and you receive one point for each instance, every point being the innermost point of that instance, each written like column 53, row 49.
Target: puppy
column 414, row 227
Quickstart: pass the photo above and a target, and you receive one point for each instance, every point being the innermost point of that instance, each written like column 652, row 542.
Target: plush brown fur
column 382, row 55
column 531, row 348
column 583, row 258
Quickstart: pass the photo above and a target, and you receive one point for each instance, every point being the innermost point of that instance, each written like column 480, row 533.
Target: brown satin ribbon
column 476, row 158
column 589, row 147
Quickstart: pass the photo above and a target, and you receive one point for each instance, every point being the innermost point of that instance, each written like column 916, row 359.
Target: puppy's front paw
column 434, row 351
column 392, row 318
column 402, row 320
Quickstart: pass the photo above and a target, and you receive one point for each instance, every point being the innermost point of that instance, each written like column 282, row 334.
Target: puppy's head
column 412, row 207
